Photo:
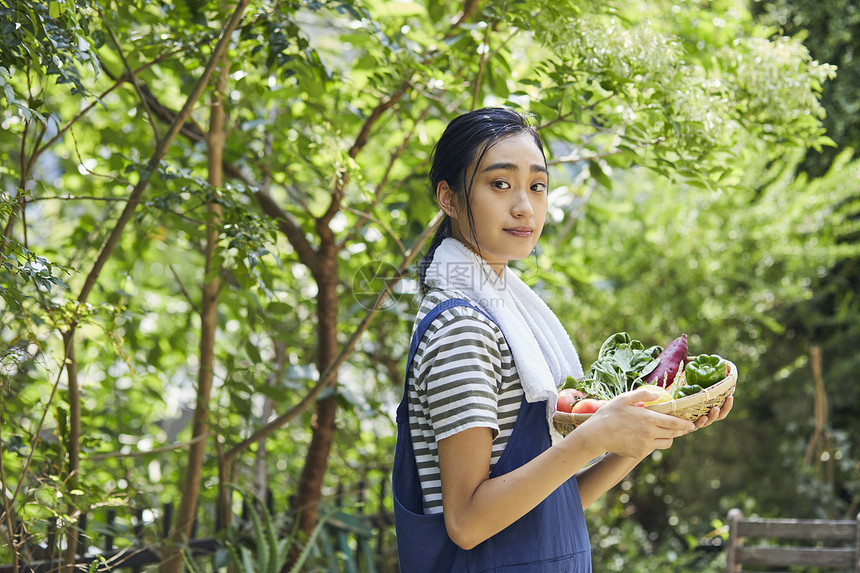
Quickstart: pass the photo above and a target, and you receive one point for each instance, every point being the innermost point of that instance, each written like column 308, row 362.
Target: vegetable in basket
column 663, row 395
column 624, row 364
column 587, row 406
column 687, row 390
column 672, row 360
column 619, row 367
column 566, row 399
column 705, row 370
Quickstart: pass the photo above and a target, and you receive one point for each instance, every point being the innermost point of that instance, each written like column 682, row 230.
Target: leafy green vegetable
column 620, row 366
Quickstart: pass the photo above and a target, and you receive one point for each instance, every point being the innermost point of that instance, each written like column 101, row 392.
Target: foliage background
column 703, row 182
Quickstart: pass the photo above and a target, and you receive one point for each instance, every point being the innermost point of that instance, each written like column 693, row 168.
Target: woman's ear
column 445, row 198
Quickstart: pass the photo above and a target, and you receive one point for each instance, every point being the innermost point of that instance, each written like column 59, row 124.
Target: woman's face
column 508, row 200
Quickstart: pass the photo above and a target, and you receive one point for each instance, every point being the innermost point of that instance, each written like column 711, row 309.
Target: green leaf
column 598, row 174
column 253, row 352
column 280, row 309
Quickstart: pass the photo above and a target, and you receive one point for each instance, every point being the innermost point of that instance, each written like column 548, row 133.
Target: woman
column 479, row 484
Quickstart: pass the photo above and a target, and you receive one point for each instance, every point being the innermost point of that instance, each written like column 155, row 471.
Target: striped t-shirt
column 462, row 376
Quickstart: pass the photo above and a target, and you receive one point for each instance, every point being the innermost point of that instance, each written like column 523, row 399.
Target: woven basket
column 689, row 407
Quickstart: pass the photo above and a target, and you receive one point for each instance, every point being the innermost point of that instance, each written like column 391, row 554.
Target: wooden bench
column 821, row 543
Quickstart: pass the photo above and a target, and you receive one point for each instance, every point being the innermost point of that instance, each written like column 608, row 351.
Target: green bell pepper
column 705, row 370
column 688, row 390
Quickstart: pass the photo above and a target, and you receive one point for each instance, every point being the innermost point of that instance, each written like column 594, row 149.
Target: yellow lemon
column 664, row 395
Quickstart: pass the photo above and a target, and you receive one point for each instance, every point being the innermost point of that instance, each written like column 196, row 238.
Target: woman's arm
column 477, row 507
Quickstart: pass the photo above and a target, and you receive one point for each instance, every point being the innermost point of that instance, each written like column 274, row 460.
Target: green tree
column 829, row 31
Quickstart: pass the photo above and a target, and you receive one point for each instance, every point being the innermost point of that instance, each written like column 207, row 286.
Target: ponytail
column 442, row 233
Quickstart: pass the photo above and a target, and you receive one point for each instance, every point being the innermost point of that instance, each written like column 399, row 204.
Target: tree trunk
column 814, row 447
column 68, row 561
column 181, row 532
column 316, row 461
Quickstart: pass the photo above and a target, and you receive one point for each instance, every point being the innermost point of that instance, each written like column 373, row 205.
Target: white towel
column 541, row 347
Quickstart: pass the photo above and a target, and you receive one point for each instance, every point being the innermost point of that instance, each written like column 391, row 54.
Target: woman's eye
column 540, row 187
column 501, row 184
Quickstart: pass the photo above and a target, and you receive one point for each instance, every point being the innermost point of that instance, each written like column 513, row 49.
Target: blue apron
column 550, row 538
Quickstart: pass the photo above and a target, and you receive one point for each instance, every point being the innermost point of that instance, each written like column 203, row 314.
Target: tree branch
column 573, row 157
column 9, row 514
column 181, row 286
column 379, row 195
column 819, row 407
column 562, row 117
column 469, row 9
column 286, row 224
column 329, row 374
column 382, row 107
column 37, row 433
column 360, row 141
column 367, row 216
column 322, row 222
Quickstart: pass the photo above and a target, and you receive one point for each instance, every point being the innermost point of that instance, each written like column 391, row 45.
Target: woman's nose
column 522, row 206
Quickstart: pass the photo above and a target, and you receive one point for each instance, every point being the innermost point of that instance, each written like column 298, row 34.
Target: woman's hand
column 716, row 414
column 623, row 428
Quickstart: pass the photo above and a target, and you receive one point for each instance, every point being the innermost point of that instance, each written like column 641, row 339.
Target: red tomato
column 566, row 398
column 587, row 406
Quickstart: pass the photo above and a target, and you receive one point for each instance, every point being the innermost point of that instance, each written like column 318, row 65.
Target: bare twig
column 142, row 453
column 370, row 217
column 481, row 63
column 182, row 287
column 133, row 79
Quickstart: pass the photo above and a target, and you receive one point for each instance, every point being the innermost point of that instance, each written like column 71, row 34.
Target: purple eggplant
column 672, row 359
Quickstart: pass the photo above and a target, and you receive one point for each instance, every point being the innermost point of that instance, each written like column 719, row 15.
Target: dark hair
column 464, row 143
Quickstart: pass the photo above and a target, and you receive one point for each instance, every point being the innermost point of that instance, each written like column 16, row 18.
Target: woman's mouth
column 523, row 232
